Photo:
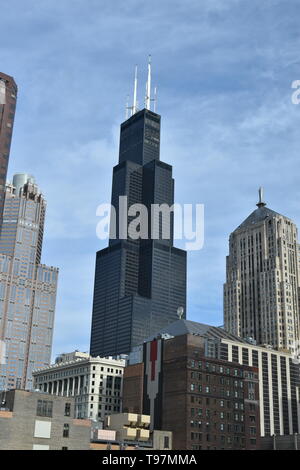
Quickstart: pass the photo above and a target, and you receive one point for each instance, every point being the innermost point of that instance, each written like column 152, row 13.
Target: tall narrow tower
column 261, row 293
column 139, row 283
column 27, row 288
column 8, row 98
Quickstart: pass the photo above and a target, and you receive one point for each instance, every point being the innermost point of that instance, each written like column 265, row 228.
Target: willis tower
column 140, row 284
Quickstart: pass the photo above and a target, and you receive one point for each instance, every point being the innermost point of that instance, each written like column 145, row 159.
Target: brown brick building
column 8, row 97
column 133, row 386
column 207, row 403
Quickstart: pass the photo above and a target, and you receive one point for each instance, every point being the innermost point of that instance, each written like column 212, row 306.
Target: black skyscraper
column 139, row 284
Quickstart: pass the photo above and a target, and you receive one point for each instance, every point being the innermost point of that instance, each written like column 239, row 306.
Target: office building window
column 66, row 430
column 44, row 408
column 67, row 409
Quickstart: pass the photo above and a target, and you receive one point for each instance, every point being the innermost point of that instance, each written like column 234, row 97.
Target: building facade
column 27, row 287
column 38, row 421
column 278, row 374
column 261, row 293
column 95, row 383
column 8, row 99
column 208, row 403
column 139, row 283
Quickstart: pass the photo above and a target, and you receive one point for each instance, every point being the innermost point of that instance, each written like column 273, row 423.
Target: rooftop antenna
column 261, row 202
column 155, row 99
column 127, row 108
column 134, row 107
column 148, row 86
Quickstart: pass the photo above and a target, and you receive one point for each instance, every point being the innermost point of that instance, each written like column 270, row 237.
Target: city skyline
column 229, row 112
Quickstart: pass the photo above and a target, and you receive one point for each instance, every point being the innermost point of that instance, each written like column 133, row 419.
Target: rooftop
column 182, row 327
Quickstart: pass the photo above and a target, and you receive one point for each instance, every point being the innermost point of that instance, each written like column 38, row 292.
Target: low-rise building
column 96, row 383
column 130, row 431
column 39, row 421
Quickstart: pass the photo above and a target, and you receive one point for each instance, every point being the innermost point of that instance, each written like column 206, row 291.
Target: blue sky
column 224, row 70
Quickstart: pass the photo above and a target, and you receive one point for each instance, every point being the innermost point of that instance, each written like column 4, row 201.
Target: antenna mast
column 127, row 108
column 134, row 107
column 261, row 202
column 155, row 99
column 148, row 86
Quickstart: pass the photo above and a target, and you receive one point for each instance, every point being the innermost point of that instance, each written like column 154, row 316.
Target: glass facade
column 27, row 288
column 139, row 284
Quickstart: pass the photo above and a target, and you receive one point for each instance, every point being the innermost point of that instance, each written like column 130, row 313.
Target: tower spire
column 148, row 86
column 155, row 99
column 261, row 202
column 134, row 106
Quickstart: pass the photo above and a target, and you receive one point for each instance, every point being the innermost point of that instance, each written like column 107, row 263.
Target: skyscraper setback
column 27, row 288
column 8, row 97
column 261, row 294
column 139, row 283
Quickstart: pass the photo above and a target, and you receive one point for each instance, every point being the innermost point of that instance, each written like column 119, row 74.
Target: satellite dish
column 180, row 312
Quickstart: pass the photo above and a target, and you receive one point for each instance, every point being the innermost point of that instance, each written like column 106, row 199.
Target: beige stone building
column 261, row 293
column 96, row 383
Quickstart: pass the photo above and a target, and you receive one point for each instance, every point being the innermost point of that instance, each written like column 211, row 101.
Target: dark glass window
column 44, row 408
column 67, row 409
column 66, row 430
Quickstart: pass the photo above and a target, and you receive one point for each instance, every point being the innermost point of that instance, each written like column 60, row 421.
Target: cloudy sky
column 224, row 70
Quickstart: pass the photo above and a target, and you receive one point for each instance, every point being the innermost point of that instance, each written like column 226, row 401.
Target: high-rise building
column 261, row 294
column 27, row 288
column 8, row 98
column 139, row 283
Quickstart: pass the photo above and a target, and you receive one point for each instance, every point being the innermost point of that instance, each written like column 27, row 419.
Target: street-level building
column 39, row 421
column 96, row 383
column 129, row 431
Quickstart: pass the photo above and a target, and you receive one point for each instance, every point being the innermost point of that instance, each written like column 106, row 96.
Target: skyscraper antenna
column 148, row 87
column 127, row 108
column 155, row 99
column 261, row 202
column 134, row 107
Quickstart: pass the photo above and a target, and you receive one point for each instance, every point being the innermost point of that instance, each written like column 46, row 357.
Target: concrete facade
column 24, row 426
